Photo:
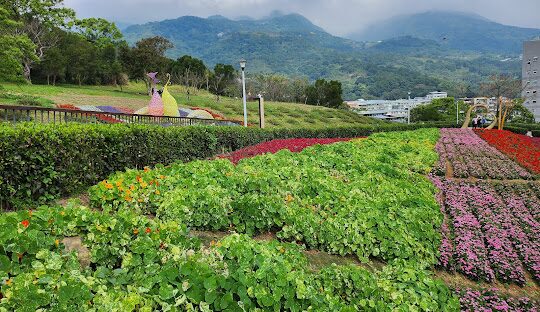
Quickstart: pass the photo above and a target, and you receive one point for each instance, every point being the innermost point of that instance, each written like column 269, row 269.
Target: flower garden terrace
column 426, row 221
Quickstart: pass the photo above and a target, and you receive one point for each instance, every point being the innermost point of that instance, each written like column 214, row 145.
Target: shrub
column 41, row 162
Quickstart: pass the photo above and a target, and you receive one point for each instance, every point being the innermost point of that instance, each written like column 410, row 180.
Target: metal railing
column 15, row 114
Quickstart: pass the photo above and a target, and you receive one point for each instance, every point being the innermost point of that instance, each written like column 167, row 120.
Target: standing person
column 484, row 121
column 475, row 122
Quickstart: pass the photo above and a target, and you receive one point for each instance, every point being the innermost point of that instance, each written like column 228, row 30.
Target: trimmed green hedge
column 42, row 162
column 522, row 130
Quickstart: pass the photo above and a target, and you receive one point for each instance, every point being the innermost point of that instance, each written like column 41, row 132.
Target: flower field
column 470, row 156
column 519, row 147
column 410, row 201
column 293, row 145
column 491, row 229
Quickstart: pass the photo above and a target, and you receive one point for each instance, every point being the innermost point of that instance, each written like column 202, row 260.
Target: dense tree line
column 44, row 42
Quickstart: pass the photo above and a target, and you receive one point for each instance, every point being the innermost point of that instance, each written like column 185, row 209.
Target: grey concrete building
column 531, row 77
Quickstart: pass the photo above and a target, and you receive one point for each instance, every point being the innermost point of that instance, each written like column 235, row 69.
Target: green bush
column 41, row 162
column 522, row 129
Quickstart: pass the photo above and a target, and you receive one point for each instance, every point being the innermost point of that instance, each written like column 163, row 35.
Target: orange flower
column 148, row 230
column 25, row 223
column 109, row 186
column 212, row 243
column 289, row 198
column 128, row 199
column 139, row 179
column 136, row 231
column 162, row 177
column 157, row 192
column 119, row 183
column 146, row 169
column 157, row 183
column 128, row 192
column 8, row 282
column 132, row 187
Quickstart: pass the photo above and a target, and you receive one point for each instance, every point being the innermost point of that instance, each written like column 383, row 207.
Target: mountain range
column 455, row 30
column 440, row 50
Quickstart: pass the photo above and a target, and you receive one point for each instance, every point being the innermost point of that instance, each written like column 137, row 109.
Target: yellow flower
column 144, row 185
column 157, row 192
column 8, row 282
column 62, row 213
column 56, row 242
column 289, row 198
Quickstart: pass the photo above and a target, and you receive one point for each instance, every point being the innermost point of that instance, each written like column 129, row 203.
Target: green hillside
column 278, row 114
column 292, row 45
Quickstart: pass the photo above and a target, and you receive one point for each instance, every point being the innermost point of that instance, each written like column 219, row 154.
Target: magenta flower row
column 490, row 231
column 489, row 300
column 470, row 156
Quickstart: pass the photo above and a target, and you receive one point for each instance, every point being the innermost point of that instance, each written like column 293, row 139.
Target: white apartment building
column 531, row 77
column 394, row 110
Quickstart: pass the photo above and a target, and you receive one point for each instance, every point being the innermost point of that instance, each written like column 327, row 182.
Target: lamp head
column 242, row 64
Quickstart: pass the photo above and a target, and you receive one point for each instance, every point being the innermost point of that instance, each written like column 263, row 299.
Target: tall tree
column 98, row 30
column 38, row 20
column 222, row 77
column 502, row 86
column 148, row 55
column 14, row 48
column 190, row 72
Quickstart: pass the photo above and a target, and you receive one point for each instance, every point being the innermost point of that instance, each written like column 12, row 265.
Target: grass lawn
column 133, row 96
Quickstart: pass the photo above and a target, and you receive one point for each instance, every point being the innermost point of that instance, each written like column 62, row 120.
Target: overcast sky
column 338, row 17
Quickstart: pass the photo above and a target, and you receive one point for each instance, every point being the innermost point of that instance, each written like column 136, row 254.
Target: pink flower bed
column 470, row 156
column 492, row 230
column 293, row 145
column 489, row 300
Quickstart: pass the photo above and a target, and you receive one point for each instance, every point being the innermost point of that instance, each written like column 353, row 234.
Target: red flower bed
column 520, row 147
column 293, row 145
column 536, row 141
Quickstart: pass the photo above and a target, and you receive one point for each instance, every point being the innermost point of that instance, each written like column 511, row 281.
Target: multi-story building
column 531, row 77
column 395, row 110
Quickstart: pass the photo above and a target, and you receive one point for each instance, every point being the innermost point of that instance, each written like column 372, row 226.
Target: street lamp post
column 457, row 112
column 243, row 67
